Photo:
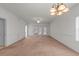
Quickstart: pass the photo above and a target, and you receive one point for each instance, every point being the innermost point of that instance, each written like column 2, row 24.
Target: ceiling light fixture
column 37, row 19
column 59, row 9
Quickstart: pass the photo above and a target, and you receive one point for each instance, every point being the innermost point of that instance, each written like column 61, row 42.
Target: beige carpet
column 38, row 46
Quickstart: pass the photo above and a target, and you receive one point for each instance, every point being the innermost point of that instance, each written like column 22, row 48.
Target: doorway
column 38, row 29
column 2, row 33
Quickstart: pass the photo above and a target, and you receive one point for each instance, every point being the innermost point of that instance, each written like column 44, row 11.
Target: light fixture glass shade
column 53, row 13
column 59, row 13
column 52, row 10
column 38, row 21
column 61, row 7
column 66, row 10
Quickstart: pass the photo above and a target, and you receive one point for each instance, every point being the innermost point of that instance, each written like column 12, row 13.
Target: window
column 26, row 31
column 45, row 31
column 77, row 28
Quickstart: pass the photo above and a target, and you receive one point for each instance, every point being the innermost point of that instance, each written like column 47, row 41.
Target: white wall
column 63, row 28
column 15, row 27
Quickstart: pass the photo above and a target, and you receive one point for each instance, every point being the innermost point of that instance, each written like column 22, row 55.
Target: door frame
column 4, row 31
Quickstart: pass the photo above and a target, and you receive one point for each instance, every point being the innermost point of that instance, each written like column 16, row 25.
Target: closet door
column 2, row 32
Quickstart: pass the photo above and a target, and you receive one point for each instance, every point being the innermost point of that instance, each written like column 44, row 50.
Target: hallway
column 38, row 46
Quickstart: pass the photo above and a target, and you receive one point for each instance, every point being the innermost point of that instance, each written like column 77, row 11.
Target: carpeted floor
column 38, row 46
